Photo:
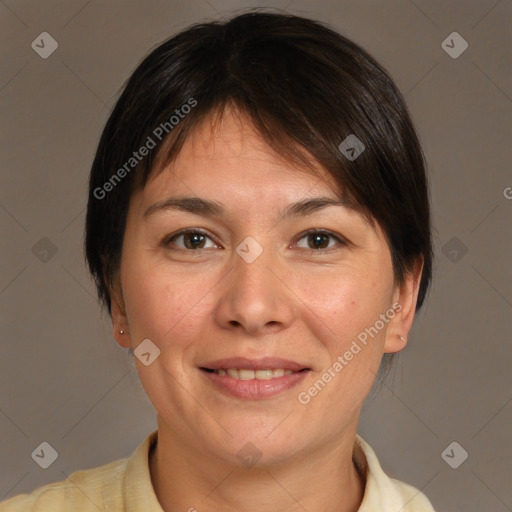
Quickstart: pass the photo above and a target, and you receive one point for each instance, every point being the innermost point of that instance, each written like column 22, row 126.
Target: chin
column 266, row 446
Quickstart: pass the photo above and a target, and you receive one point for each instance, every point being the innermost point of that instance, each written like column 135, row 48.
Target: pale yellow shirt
column 125, row 486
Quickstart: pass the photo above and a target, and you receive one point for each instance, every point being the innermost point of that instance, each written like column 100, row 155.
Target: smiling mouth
column 248, row 374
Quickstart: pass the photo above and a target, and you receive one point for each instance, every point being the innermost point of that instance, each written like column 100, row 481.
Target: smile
column 247, row 374
column 251, row 384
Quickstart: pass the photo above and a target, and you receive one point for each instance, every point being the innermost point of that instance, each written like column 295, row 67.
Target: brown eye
column 192, row 239
column 318, row 240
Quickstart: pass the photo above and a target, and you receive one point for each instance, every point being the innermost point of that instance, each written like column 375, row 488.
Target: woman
column 258, row 227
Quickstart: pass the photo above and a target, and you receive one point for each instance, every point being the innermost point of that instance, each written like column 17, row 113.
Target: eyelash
column 339, row 238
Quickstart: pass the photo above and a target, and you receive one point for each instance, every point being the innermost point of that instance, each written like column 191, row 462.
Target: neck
column 186, row 478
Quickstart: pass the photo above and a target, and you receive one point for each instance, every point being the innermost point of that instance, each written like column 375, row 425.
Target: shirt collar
column 138, row 491
column 379, row 494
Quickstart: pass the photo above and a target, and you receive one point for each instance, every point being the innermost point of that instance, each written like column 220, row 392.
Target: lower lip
column 255, row 389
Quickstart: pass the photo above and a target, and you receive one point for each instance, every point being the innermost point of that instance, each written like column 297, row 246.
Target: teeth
column 243, row 374
column 246, row 374
column 233, row 373
column 263, row 374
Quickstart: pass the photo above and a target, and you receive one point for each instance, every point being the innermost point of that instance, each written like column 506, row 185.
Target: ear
column 118, row 314
column 405, row 297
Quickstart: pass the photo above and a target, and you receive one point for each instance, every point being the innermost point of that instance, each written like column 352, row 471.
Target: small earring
column 121, row 331
column 401, row 337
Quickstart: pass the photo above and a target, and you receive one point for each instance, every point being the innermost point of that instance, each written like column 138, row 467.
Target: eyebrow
column 206, row 207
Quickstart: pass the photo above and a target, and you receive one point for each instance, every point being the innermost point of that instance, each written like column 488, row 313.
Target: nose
column 254, row 296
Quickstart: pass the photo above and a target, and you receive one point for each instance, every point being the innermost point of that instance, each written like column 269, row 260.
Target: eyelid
column 341, row 239
column 168, row 239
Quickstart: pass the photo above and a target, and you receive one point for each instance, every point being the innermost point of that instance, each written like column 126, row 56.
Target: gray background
column 63, row 379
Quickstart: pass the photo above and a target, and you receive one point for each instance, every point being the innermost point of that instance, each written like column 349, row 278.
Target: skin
column 294, row 301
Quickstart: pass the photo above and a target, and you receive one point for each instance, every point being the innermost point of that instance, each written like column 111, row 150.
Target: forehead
column 224, row 169
column 227, row 153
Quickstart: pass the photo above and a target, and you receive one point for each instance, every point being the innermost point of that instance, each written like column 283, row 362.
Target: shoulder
column 106, row 488
column 83, row 490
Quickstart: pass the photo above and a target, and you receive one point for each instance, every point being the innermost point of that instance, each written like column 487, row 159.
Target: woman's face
column 255, row 285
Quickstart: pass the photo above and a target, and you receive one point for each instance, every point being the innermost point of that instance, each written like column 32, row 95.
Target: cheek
column 168, row 304
column 344, row 303
column 344, row 306
column 161, row 303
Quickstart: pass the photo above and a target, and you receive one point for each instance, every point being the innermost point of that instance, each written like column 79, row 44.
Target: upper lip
column 263, row 363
